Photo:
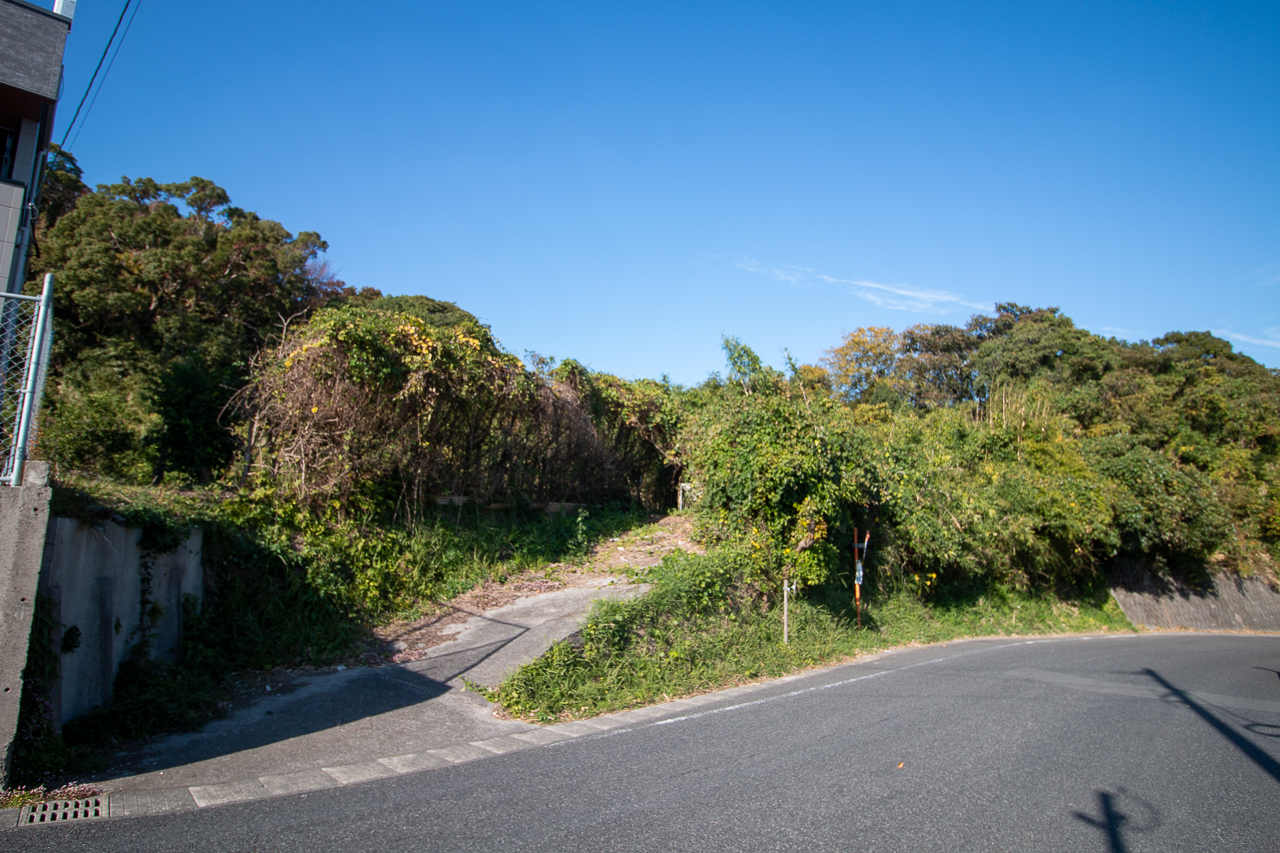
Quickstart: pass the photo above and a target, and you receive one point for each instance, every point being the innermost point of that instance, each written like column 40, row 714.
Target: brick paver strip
column 130, row 803
column 414, row 762
column 460, row 753
column 501, row 745
column 541, row 737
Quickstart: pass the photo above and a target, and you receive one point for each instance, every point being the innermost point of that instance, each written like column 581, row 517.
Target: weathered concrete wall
column 95, row 579
column 1228, row 603
column 24, row 518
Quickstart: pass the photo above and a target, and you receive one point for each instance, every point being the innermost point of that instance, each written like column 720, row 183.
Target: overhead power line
column 101, row 59
column 107, row 73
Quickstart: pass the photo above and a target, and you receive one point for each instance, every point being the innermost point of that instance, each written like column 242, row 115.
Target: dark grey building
column 32, row 39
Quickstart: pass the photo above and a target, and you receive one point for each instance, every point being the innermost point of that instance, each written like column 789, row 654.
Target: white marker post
column 786, row 588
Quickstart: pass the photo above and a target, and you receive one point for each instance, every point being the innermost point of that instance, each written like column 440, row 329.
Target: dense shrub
column 1075, row 451
column 363, row 408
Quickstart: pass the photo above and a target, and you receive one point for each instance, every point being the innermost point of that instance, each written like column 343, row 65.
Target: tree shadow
column 841, row 603
column 1185, row 578
column 1268, row 669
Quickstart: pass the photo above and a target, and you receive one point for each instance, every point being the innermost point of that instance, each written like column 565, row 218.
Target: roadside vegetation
column 696, row 631
column 354, row 458
column 1003, row 471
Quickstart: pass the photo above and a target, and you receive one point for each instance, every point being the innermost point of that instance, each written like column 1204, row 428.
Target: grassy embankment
column 694, row 632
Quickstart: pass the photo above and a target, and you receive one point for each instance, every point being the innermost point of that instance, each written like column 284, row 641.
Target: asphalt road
column 1160, row 742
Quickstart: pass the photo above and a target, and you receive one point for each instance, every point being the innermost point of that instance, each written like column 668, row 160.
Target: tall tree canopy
column 866, row 356
column 164, row 293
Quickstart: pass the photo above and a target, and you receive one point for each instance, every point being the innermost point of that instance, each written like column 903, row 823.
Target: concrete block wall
column 92, row 575
column 24, row 518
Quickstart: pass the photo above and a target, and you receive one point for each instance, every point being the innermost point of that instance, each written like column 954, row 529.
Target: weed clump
column 16, row 798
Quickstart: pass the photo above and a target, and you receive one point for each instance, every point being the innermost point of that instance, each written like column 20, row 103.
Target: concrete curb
column 141, row 803
column 165, row 801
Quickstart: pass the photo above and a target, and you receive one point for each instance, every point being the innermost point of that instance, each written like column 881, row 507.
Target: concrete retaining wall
column 93, row 575
column 24, row 518
column 1228, row 603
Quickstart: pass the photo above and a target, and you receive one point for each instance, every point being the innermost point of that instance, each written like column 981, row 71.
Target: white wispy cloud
column 1267, row 275
column 905, row 298
column 1249, row 339
column 897, row 297
column 795, row 276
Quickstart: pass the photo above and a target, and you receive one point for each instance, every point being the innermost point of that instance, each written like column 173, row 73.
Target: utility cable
column 119, row 44
column 95, row 71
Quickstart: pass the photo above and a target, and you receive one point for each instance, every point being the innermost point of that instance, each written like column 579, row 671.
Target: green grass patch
column 692, row 633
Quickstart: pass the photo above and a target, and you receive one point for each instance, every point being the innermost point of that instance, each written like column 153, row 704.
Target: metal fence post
column 34, row 361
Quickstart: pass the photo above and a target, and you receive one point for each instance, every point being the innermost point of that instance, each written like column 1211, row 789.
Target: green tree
column 1045, row 344
column 432, row 311
column 164, row 294
column 745, row 367
column 867, row 356
column 935, row 365
column 61, row 188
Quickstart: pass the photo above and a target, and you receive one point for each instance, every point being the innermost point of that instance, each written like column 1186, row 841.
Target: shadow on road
column 1110, row 822
column 1268, row 669
column 1251, row 751
column 1113, row 818
column 455, row 664
column 321, row 703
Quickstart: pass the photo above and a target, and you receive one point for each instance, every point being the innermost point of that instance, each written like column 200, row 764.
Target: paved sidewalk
column 351, row 726
column 130, row 802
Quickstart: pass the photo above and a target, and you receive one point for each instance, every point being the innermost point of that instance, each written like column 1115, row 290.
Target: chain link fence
column 26, row 336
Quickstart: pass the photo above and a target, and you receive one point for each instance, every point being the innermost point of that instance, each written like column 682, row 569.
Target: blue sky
column 623, row 183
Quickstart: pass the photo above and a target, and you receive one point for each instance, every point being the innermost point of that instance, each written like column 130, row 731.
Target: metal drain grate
column 60, row 810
